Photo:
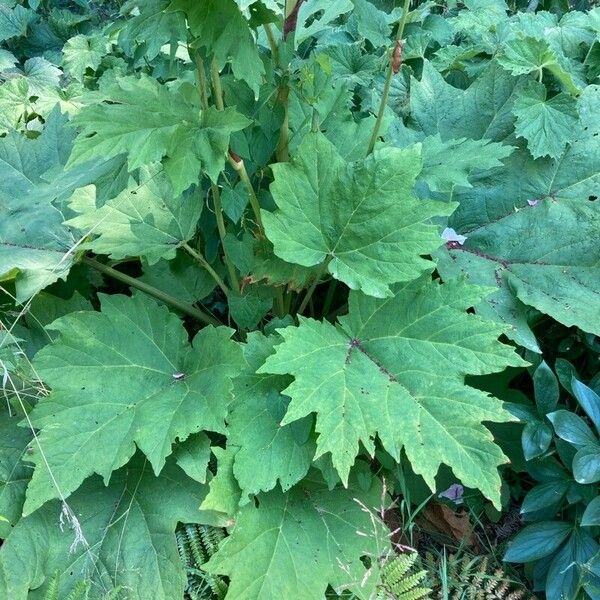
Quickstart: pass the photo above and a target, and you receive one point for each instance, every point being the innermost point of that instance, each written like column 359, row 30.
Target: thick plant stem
column 238, row 164
column 218, row 97
column 289, row 7
column 222, row 233
column 196, row 255
column 202, row 83
column 313, row 287
column 187, row 309
column 282, row 152
column 279, row 303
column 272, row 43
column 388, row 81
column 216, row 83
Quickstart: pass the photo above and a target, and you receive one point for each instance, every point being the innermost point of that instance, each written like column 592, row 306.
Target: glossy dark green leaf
column 535, row 439
column 591, row 515
column 588, row 399
column 586, row 464
column 544, row 496
column 537, row 540
column 546, row 388
column 571, row 428
column 567, row 568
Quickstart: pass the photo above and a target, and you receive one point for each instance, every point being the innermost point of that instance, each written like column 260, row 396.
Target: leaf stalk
column 197, row 256
column 388, row 80
column 238, row 165
column 313, row 287
column 183, row 307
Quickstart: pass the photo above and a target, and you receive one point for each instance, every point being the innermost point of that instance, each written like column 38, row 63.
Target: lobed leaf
column 294, row 544
column 390, row 370
column 360, row 217
column 120, row 535
column 113, row 388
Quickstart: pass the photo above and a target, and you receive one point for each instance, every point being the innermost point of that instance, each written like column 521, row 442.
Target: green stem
column 195, row 254
column 282, row 152
column 388, row 81
column 313, row 287
column 272, row 43
column 218, row 97
column 222, row 233
column 287, row 302
column 289, row 7
column 202, row 82
column 280, row 306
column 240, row 168
column 187, row 309
column 216, row 83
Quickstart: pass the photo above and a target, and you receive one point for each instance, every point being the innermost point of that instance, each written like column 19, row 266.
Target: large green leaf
column 83, row 52
column 116, row 536
column 223, row 30
column 315, row 16
column 531, row 231
column 547, row 125
column 151, row 28
column 293, row 545
column 482, row 111
column 147, row 219
column 34, row 244
column 14, row 21
column 392, row 370
column 361, row 217
column 526, row 55
column 268, row 452
column 14, row 474
column 149, row 121
column 113, row 387
column 450, row 163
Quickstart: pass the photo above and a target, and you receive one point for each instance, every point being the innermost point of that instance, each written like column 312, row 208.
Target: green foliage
column 136, row 341
column 120, row 535
column 359, row 218
column 148, row 121
column 293, row 544
column 378, row 352
column 400, row 581
column 196, row 544
column 563, row 454
column 255, row 258
column 469, row 577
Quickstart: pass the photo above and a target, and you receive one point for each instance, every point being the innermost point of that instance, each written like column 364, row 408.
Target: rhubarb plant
column 254, row 257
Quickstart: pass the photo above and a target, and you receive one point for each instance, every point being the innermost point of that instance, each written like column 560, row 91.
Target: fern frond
column 196, row 544
column 79, row 591
column 400, row 582
column 408, row 583
column 114, row 594
column 396, row 569
column 471, row 578
column 183, row 547
column 194, row 540
column 53, row 587
column 211, row 538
